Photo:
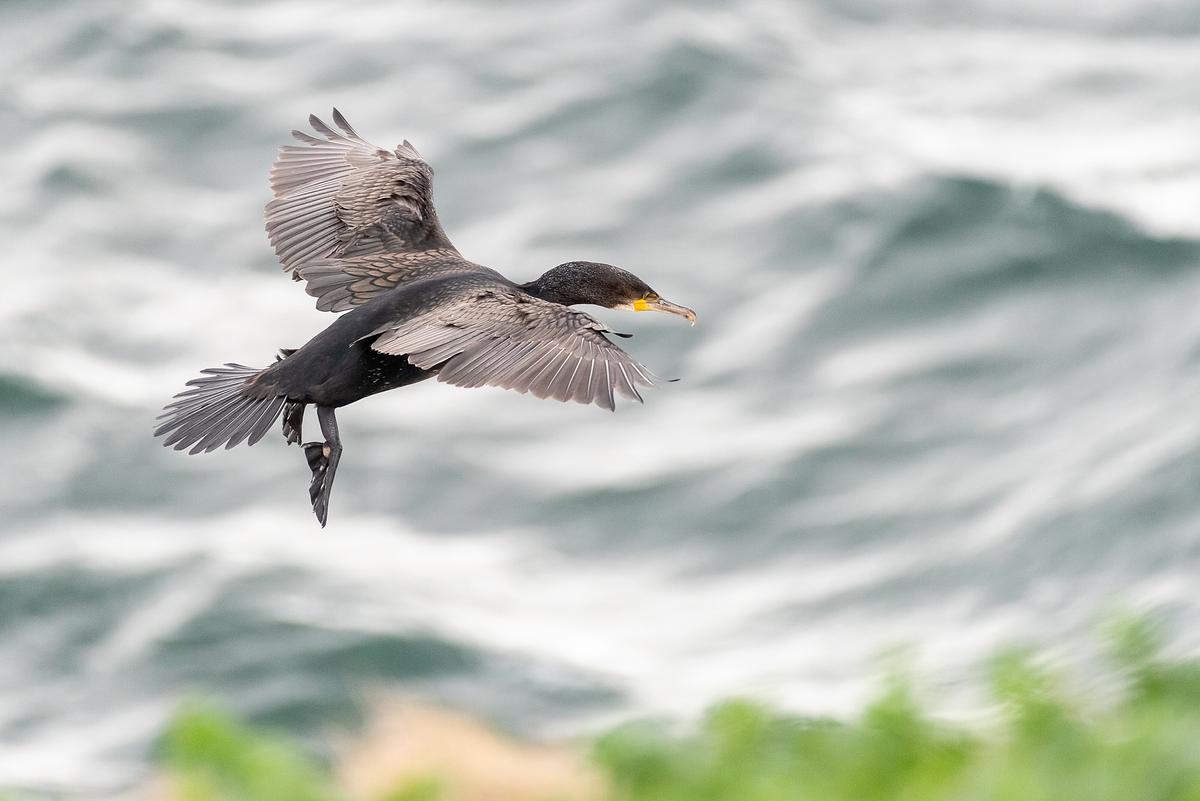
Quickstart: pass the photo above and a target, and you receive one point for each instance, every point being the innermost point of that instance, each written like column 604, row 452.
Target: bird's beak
column 658, row 304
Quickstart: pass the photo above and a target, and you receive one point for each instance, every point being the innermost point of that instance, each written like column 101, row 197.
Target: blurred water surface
column 943, row 391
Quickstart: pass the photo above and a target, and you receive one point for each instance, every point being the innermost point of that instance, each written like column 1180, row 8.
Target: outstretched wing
column 502, row 337
column 341, row 197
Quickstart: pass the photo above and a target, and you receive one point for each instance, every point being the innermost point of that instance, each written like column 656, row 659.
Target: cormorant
column 357, row 223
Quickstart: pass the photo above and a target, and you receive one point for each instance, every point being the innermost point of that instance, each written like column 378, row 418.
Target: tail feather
column 219, row 409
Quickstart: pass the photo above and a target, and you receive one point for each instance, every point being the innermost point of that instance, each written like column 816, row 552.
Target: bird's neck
column 553, row 288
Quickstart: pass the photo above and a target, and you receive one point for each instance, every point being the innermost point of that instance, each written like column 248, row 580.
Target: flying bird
column 357, row 224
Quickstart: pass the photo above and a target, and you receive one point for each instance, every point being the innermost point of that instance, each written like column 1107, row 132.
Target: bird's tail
column 223, row 407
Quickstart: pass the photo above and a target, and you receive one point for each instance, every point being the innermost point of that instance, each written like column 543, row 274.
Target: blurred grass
column 1048, row 744
column 213, row 757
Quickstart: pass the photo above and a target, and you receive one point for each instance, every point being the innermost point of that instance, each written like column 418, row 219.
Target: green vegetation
column 1142, row 741
column 212, row 757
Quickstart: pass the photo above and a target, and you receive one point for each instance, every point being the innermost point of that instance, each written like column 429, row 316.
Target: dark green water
column 944, row 390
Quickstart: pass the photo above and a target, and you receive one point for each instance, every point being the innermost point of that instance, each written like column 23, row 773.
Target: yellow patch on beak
column 641, row 305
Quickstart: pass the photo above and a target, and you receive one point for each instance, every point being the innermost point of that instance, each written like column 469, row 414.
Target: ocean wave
column 942, row 388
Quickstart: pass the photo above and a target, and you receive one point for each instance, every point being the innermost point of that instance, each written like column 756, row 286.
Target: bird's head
column 601, row 285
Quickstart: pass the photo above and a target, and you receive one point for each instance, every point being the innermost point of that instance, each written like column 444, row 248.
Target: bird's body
column 336, row 368
column 357, row 224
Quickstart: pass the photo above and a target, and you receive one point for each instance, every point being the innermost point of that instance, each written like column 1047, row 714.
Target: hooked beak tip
column 673, row 308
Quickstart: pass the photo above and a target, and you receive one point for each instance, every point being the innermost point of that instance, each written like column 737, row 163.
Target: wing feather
column 534, row 365
column 340, row 198
column 581, row 383
column 477, row 361
column 498, row 335
column 542, row 384
column 506, row 375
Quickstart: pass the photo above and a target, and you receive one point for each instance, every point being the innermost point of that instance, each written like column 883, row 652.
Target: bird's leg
column 293, row 421
column 323, row 461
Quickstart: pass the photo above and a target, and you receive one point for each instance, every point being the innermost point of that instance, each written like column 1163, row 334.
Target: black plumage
column 357, row 224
